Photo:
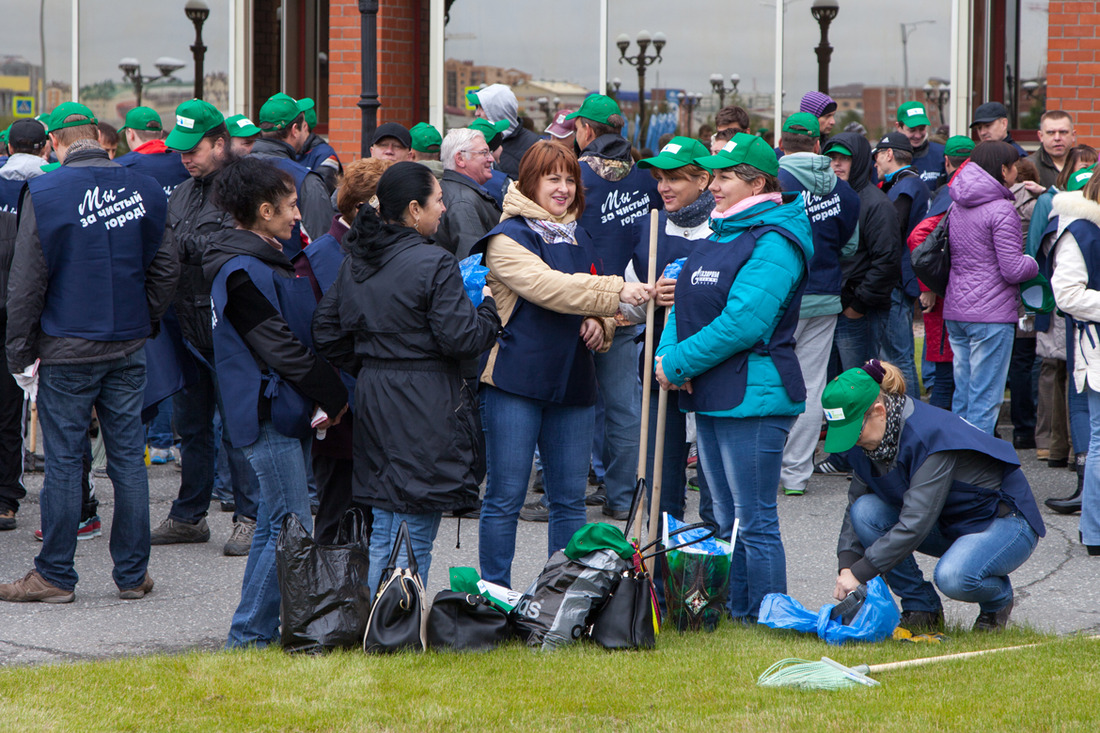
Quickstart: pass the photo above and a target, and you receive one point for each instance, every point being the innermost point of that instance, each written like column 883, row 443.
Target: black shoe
column 829, row 468
column 1067, row 505
column 537, row 486
column 228, row 506
column 922, row 620
column 534, row 512
column 1023, row 442
column 597, row 497
column 592, row 477
column 1057, row 462
column 993, row 620
column 1093, row 550
column 7, row 520
column 618, row 514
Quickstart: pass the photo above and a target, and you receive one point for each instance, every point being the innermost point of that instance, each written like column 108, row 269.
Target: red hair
column 544, row 158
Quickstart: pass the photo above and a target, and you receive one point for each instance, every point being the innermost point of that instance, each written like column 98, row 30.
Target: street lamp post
column 197, row 12
column 938, row 95
column 131, row 69
column 718, row 86
column 368, row 60
column 689, row 100
column 906, row 31
column 544, row 105
column 641, row 61
column 824, row 11
column 613, row 88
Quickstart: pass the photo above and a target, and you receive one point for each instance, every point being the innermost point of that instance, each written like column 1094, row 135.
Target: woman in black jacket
column 399, row 318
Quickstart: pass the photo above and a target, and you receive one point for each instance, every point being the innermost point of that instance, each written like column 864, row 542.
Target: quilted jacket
column 987, row 251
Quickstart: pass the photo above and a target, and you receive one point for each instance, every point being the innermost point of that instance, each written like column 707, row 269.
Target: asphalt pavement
column 197, row 588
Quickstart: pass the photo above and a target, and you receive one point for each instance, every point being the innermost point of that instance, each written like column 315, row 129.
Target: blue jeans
column 223, row 482
column 982, row 353
column 194, row 413
column 66, row 395
column 384, row 528
column 742, row 458
column 158, row 433
column 852, row 339
column 943, row 387
column 280, row 466
column 513, row 426
column 892, row 337
column 617, row 374
column 972, row 568
column 1090, row 493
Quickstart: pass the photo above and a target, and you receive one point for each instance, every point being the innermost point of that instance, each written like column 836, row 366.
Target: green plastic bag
column 696, row 580
column 467, row 580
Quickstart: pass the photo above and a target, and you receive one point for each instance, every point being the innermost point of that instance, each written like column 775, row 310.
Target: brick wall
column 1073, row 65
column 402, row 68
column 266, row 51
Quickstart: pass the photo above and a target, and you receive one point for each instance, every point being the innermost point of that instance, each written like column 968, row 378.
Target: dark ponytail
column 400, row 184
column 993, row 156
column 245, row 183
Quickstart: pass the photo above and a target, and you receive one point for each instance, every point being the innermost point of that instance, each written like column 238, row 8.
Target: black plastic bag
column 467, row 622
column 325, row 600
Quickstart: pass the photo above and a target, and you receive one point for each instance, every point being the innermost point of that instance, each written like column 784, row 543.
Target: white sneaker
column 160, row 456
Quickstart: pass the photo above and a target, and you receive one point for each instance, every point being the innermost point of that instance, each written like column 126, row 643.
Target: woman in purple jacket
column 987, row 264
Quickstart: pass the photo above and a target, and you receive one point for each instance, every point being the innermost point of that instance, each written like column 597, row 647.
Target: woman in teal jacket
column 729, row 344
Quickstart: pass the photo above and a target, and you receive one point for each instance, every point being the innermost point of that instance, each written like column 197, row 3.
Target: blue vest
column 614, row 214
column 1043, row 320
column 169, row 366
column 912, row 186
column 540, row 353
column 100, row 228
column 317, row 155
column 833, row 219
column 298, row 172
column 702, row 291
column 238, row 373
column 9, row 195
column 325, row 256
column 930, row 165
column 940, row 203
column 166, row 167
column 497, row 186
column 968, row 508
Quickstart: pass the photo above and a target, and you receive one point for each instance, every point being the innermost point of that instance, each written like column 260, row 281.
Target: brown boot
column 133, row 594
column 33, row 587
column 7, row 520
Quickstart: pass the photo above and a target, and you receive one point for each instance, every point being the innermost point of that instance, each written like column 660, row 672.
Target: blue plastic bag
column 673, row 269
column 473, row 277
column 875, row 621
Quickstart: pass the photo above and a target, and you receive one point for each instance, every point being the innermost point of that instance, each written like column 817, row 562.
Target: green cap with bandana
column 1078, row 180
column 145, row 119
column 802, row 123
column 845, row 401
column 425, row 138
column 490, row 130
column 194, row 118
column 912, row 114
column 677, row 152
column 743, row 148
column 598, row 108
column 308, row 108
column 278, row 111
column 241, row 126
column 958, row 146
column 70, row 109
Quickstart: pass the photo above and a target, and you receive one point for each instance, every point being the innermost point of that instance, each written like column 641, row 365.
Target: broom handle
column 658, row 460
column 647, row 375
column 950, row 657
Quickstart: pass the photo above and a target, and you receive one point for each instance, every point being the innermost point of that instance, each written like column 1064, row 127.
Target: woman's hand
column 845, row 584
column 486, row 292
column 332, row 421
column 666, row 289
column 635, row 293
column 659, row 372
column 592, row 333
column 927, row 301
column 1035, row 188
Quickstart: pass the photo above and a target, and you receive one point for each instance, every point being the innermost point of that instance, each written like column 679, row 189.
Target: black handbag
column 398, row 619
column 467, row 622
column 324, row 598
column 932, row 258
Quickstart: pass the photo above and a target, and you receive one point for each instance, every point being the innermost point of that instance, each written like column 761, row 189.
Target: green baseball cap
column 241, row 126
column 958, row 146
column 194, row 118
column 491, row 130
column 471, row 97
column 845, row 401
column 678, row 152
column 597, row 107
column 912, row 114
column 834, row 146
column 69, row 109
column 743, row 148
column 142, row 118
column 278, row 111
column 308, row 108
column 1037, row 295
column 425, row 138
column 802, row 123
column 1078, row 180
column 4, row 135
column 50, row 167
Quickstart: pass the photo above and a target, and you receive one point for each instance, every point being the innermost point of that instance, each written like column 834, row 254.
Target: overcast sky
column 559, row 40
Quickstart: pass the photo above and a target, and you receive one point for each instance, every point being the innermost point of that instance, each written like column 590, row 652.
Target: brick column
column 1073, row 65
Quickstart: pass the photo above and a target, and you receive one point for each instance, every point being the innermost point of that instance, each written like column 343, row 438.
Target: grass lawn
column 692, row 682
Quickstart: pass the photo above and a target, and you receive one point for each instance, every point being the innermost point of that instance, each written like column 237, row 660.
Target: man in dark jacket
column 285, row 131
column 471, row 211
column 991, row 123
column 927, row 154
column 193, row 219
column 1056, row 137
column 618, row 199
column 12, row 490
column 316, row 154
column 101, row 231
column 497, row 102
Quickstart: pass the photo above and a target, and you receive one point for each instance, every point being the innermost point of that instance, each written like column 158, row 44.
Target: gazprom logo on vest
column 705, row 277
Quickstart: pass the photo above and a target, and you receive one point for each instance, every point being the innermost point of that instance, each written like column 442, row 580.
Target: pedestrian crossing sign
column 22, row 106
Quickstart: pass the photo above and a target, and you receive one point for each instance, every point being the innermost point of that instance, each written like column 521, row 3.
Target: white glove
column 28, row 381
column 1026, row 323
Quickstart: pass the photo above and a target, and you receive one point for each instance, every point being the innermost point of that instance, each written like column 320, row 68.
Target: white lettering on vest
column 106, row 207
column 705, row 277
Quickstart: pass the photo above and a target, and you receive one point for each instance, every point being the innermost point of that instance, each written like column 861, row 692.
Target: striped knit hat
column 817, row 104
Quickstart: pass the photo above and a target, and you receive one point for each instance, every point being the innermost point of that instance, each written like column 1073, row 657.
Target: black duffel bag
column 465, row 622
column 931, row 258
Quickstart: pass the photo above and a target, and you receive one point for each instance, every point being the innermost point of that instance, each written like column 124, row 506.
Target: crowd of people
column 297, row 335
